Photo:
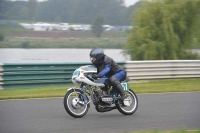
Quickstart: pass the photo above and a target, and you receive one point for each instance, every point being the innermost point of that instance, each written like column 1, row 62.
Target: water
column 8, row 55
column 14, row 55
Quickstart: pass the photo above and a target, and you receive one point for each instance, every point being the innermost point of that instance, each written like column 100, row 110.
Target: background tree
column 84, row 11
column 2, row 9
column 164, row 29
column 126, row 13
column 1, row 1
column 17, row 12
column 32, row 8
column 97, row 27
column 1, row 15
column 69, row 11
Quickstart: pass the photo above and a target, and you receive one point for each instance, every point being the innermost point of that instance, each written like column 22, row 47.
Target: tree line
column 165, row 30
column 114, row 12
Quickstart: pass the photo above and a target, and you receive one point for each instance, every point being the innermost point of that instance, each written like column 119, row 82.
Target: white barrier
column 163, row 69
column 16, row 75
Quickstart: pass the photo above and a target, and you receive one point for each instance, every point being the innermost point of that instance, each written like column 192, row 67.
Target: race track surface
column 171, row 111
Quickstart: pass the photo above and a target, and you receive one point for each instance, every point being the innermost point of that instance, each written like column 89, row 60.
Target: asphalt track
column 171, row 111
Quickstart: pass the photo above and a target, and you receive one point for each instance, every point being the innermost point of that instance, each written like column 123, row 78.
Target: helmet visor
column 92, row 59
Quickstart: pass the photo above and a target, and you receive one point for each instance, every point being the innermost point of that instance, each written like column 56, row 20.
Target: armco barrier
column 14, row 75
column 163, row 69
column 38, row 75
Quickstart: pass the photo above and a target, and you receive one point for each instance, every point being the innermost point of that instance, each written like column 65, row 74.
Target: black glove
column 95, row 76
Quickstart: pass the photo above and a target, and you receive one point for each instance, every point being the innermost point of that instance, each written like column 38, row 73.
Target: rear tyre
column 131, row 104
column 74, row 103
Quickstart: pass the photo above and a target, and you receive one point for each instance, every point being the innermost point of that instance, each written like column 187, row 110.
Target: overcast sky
column 127, row 2
column 130, row 2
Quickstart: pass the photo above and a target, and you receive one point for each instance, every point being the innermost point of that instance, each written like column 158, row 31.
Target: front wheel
column 74, row 103
column 129, row 105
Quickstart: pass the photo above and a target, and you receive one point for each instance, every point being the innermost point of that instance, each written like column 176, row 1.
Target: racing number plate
column 76, row 74
column 125, row 86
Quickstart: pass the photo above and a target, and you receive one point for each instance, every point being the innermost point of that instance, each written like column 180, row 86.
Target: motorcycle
column 104, row 96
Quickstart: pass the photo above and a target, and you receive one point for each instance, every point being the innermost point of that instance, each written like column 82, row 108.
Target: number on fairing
column 125, row 86
column 76, row 74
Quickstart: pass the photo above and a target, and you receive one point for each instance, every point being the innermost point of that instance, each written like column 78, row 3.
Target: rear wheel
column 129, row 105
column 74, row 103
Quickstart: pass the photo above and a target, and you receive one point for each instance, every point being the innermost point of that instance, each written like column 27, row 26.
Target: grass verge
column 18, row 37
column 63, row 43
column 178, row 131
column 8, row 29
column 171, row 85
column 157, row 86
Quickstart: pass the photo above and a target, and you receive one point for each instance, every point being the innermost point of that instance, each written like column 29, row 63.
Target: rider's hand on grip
column 95, row 76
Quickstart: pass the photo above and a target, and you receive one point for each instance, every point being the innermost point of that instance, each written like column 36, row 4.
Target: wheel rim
column 76, row 104
column 132, row 100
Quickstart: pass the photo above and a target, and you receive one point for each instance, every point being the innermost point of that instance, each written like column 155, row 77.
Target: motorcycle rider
column 106, row 66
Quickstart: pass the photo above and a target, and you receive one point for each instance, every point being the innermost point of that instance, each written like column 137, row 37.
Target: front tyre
column 131, row 104
column 74, row 103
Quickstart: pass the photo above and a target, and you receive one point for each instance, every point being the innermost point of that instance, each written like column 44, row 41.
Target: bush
column 2, row 37
column 25, row 45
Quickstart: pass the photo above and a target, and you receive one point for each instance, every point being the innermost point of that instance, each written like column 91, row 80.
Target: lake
column 15, row 55
column 8, row 55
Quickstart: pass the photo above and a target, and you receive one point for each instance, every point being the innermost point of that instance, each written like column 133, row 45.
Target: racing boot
column 121, row 92
column 117, row 84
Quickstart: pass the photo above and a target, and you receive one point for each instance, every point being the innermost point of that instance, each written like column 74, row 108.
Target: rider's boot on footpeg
column 121, row 92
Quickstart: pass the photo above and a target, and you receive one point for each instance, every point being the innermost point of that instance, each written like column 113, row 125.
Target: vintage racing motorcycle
column 104, row 96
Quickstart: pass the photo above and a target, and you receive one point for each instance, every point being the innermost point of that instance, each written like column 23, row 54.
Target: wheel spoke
column 131, row 103
column 73, row 104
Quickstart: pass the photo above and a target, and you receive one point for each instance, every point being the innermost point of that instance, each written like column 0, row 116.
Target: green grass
column 161, row 86
column 11, row 29
column 33, row 93
column 64, row 43
column 69, row 39
column 158, row 86
column 178, row 131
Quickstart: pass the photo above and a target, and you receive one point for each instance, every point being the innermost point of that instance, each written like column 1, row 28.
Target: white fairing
column 78, row 75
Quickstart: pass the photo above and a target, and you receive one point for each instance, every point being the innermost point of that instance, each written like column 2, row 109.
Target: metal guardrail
column 163, row 69
column 14, row 75
column 55, row 74
column 36, row 75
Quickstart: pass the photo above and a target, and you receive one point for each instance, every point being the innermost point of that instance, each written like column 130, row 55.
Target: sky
column 130, row 2
column 127, row 2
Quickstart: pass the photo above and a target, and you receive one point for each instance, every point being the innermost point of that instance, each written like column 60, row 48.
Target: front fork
column 94, row 100
column 85, row 99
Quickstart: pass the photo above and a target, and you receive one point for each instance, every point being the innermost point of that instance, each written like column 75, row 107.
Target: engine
column 106, row 99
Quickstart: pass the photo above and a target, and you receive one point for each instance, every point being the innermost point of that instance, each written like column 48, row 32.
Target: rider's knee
column 113, row 80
